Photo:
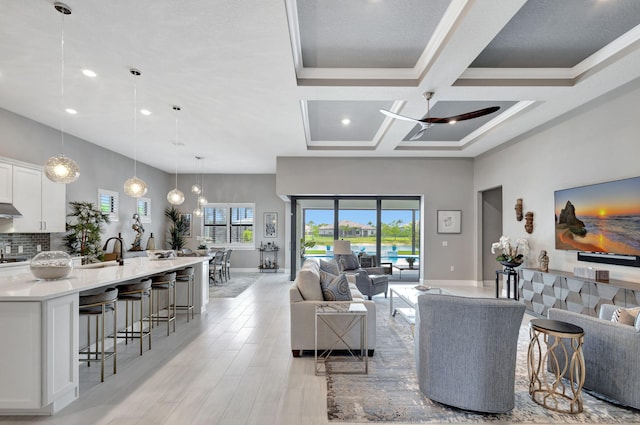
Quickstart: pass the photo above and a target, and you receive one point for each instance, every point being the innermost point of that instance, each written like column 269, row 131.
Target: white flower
column 509, row 252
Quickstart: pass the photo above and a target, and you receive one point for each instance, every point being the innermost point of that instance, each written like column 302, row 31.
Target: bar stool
column 97, row 305
column 164, row 282
column 136, row 291
column 187, row 275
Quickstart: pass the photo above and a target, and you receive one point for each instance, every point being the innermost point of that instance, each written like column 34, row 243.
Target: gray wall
column 442, row 184
column 29, row 141
column 259, row 189
column 593, row 144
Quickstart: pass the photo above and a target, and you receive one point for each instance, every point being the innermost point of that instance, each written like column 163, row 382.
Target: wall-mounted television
column 599, row 218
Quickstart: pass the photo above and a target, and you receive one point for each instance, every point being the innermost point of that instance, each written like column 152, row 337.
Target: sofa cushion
column 348, row 262
column 308, row 281
column 329, row 267
column 336, row 288
column 626, row 316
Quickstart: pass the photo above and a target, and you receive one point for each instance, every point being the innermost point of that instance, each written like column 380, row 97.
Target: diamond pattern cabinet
column 556, row 289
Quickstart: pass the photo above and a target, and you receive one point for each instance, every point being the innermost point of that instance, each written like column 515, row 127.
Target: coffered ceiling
column 258, row 79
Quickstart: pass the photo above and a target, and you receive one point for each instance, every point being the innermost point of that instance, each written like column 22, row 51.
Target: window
column 229, row 224
column 144, row 210
column 108, row 203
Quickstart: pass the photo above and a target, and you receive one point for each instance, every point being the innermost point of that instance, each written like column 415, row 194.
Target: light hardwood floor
column 231, row 366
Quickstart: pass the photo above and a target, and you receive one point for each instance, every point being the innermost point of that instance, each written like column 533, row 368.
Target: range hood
column 8, row 211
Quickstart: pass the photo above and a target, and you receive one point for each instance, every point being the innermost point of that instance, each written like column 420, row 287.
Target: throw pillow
column 336, row 289
column 626, row 316
column 329, row 267
column 308, row 281
column 348, row 262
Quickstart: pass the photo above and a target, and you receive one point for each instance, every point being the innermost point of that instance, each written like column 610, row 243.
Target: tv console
column 540, row 291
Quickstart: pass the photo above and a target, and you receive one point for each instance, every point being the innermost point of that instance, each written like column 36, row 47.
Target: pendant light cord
column 176, row 144
column 62, row 82
column 135, row 126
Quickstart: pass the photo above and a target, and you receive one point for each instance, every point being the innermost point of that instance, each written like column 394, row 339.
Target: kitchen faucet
column 120, row 256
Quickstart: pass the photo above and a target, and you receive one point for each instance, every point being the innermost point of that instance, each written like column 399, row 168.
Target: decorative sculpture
column 528, row 225
column 137, row 226
column 543, row 261
column 519, row 209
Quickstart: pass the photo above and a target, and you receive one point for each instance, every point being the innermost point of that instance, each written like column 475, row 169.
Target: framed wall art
column 449, row 221
column 186, row 218
column 271, row 225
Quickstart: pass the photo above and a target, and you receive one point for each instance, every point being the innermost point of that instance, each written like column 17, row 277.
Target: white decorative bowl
column 51, row 265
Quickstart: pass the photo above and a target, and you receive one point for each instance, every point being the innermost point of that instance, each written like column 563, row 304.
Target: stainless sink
column 98, row 265
column 13, row 260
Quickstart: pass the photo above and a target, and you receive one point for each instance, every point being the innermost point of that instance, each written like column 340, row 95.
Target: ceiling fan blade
column 400, row 117
column 418, row 135
column 462, row 117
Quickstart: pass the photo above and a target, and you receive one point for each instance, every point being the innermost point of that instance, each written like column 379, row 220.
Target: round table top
column 556, row 326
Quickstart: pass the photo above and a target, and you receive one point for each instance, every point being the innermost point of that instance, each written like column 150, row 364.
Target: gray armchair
column 611, row 354
column 466, row 351
column 369, row 280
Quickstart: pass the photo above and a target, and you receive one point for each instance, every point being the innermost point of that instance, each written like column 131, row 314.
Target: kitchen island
column 40, row 322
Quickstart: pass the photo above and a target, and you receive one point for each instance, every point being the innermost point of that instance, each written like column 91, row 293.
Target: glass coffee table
column 409, row 299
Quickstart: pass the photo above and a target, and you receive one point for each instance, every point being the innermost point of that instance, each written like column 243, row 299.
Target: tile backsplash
column 28, row 241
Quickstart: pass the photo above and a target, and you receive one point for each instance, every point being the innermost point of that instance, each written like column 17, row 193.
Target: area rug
column 390, row 392
column 234, row 286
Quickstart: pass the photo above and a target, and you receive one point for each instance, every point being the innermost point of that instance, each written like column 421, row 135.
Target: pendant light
column 135, row 187
column 59, row 168
column 175, row 196
column 202, row 200
column 196, row 188
column 198, row 211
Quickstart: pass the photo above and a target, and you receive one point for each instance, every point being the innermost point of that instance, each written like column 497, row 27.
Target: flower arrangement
column 511, row 253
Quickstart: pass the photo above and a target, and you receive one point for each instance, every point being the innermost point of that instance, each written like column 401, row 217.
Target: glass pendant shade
column 175, row 197
column 60, row 169
column 196, row 189
column 202, row 200
column 197, row 212
column 135, row 187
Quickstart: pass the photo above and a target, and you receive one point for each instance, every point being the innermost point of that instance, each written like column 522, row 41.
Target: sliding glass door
column 387, row 228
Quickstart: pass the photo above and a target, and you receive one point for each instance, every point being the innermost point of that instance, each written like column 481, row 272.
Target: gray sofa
column 304, row 295
column 611, row 354
column 466, row 351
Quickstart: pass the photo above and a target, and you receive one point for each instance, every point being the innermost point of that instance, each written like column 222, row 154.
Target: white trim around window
column 108, row 203
column 229, row 225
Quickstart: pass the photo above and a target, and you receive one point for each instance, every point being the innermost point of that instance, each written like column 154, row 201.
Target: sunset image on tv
column 602, row 217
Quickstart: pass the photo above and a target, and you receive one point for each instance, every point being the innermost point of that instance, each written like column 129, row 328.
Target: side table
column 356, row 314
column 509, row 272
column 546, row 387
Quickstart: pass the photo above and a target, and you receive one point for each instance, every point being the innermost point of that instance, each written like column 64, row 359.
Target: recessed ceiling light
column 89, row 73
column 71, row 111
column 346, row 121
column 145, row 112
column 452, row 122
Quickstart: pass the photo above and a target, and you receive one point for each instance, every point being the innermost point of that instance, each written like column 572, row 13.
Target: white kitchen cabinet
column 21, row 369
column 54, row 206
column 40, row 370
column 40, row 201
column 6, row 183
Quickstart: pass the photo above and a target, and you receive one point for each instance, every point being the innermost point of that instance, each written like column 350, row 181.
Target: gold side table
column 549, row 385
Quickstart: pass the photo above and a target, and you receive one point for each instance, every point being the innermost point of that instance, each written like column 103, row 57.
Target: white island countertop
column 18, row 284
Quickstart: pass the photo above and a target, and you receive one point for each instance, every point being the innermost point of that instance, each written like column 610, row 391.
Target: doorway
column 491, row 232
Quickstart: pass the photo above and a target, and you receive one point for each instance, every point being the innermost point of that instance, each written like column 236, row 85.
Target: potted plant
column 83, row 235
column 305, row 245
column 411, row 260
column 510, row 255
column 177, row 229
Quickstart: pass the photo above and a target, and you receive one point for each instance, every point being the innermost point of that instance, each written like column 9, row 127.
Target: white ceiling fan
column 429, row 121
